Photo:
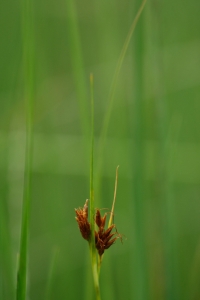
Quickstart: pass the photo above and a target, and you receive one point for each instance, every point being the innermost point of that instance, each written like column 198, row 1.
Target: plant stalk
column 92, row 210
column 28, row 55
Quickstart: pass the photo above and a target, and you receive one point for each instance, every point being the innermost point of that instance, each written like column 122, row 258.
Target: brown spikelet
column 82, row 219
column 104, row 238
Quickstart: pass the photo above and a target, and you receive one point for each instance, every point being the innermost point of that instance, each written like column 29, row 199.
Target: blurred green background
column 153, row 134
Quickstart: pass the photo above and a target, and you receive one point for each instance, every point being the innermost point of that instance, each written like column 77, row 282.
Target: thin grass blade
column 113, row 89
column 114, row 199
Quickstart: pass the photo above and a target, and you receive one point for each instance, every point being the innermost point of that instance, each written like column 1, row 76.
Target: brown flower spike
column 103, row 237
column 82, row 219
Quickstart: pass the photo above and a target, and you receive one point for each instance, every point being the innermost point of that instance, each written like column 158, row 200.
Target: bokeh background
column 152, row 134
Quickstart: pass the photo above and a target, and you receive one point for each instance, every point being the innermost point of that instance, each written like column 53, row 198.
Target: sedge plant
column 95, row 232
column 98, row 237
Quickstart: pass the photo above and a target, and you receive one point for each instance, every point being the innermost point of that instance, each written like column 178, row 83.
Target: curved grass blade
column 114, row 84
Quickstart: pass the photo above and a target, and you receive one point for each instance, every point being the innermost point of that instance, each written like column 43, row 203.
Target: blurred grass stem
column 51, row 274
column 27, row 36
column 166, row 153
column 140, row 289
column 76, row 57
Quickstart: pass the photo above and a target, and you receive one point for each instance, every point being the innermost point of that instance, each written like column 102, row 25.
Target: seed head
column 82, row 219
column 104, row 238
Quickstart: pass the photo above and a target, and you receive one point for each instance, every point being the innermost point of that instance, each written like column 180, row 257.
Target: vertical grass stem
column 92, row 211
column 27, row 40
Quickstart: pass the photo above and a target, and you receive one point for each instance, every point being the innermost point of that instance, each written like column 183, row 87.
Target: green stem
column 29, row 96
column 140, row 290
column 76, row 57
column 51, row 274
column 165, row 153
column 92, row 210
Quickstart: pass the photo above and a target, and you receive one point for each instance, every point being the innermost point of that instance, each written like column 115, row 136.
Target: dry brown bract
column 82, row 219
